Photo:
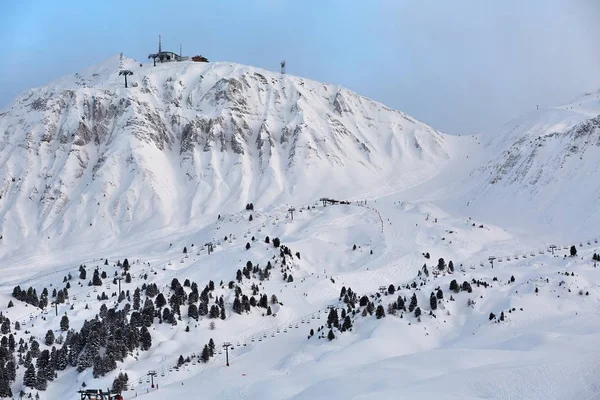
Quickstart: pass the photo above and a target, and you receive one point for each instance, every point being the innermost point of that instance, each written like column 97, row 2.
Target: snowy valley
column 146, row 227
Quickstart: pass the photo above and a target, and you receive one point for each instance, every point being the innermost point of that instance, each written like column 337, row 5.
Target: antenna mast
column 159, row 44
column 283, row 67
column 180, row 50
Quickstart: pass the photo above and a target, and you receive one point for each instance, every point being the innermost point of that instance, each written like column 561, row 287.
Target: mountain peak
column 186, row 140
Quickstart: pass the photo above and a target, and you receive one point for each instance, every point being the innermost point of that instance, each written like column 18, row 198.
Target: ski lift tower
column 152, row 374
column 226, row 345
column 552, row 247
column 291, row 211
column 491, row 259
column 209, row 247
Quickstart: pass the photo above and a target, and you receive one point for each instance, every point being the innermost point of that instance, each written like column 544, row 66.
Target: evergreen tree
column 160, row 301
column 454, row 286
column 193, row 312
column 276, row 242
column 82, row 273
column 49, row 340
column 145, row 338
column 391, row 289
column 30, row 378
column 450, row 266
column 413, row 303
column 96, row 281
column 417, row 312
column 211, row 347
column 330, row 335
column 333, row 318
column 41, row 381
column 205, row 356
column 346, row 325
column 573, row 251
column 184, row 250
column 248, row 246
column 441, row 264
column 433, row 301
column 492, row 316
column 440, row 294
column 267, row 240
column 5, row 390
column 64, row 323
column 380, row 312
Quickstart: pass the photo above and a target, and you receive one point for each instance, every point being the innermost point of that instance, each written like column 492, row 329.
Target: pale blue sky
column 460, row 65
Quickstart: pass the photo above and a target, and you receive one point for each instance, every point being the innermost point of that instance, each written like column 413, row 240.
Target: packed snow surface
column 93, row 173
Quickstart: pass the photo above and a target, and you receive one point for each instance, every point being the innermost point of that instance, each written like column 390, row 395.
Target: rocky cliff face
column 187, row 140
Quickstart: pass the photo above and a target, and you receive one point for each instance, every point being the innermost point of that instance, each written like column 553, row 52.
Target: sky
column 463, row 66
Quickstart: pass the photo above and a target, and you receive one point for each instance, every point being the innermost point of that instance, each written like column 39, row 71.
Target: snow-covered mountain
column 93, row 173
column 541, row 169
column 186, row 140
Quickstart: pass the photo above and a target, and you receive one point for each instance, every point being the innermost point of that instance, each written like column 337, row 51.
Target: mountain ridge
column 188, row 139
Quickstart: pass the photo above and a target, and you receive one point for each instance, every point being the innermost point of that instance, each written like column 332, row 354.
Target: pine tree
column 400, row 303
column 454, row 286
column 211, row 347
column 64, row 323
column 450, row 266
column 267, row 240
column 96, row 281
column 160, row 301
column 205, row 356
column 391, row 289
column 380, row 312
column 193, row 312
column 492, row 316
column 441, row 264
column 41, row 381
column 184, row 250
column 276, row 242
column 502, row 316
column 433, row 301
column 333, row 318
column 417, row 312
column 330, row 335
column 49, row 340
column 573, row 251
column 30, row 379
column 440, row 294
column 145, row 338
column 346, row 325
column 413, row 303
column 5, row 390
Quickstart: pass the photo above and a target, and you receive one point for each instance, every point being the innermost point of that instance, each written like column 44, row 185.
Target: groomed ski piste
column 542, row 349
